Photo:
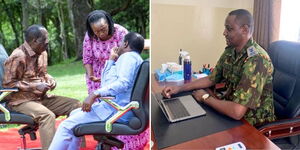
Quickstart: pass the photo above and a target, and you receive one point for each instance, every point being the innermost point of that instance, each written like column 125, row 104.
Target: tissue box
column 160, row 76
column 168, row 76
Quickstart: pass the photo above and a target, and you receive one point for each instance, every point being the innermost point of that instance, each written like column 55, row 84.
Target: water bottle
column 180, row 57
column 187, row 68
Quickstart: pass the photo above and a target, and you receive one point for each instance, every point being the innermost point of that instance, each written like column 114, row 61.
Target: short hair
column 243, row 17
column 33, row 32
column 95, row 16
column 135, row 41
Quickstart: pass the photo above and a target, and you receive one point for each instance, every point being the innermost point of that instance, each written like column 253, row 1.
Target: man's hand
column 43, row 87
column 52, row 84
column 168, row 91
column 198, row 95
column 114, row 53
column 95, row 79
column 88, row 102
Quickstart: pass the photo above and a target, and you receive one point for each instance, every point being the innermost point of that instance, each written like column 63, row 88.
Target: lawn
column 70, row 78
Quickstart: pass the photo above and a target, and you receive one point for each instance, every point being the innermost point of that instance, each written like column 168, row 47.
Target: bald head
column 34, row 32
column 243, row 17
column 37, row 38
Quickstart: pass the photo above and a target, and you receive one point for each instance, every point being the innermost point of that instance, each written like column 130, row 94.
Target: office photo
column 74, row 75
column 225, row 74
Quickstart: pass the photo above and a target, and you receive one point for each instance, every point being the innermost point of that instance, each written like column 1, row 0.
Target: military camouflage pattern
column 248, row 79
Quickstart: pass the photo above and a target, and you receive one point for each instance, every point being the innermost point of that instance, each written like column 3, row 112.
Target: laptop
column 178, row 108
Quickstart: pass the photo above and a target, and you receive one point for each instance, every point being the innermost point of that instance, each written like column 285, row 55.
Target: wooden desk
column 245, row 133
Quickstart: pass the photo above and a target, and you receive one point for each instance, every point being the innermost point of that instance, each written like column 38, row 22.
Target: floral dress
column 96, row 52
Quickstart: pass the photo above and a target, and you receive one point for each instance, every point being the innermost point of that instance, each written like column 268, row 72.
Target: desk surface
column 245, row 133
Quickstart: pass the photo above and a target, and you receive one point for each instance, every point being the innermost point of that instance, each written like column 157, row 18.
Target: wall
column 193, row 25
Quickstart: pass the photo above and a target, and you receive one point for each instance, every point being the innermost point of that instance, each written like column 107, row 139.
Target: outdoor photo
column 74, row 74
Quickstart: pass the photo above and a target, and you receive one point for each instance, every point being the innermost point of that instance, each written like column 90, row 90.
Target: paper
column 201, row 75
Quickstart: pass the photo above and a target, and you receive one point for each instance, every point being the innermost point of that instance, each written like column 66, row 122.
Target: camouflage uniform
column 248, row 80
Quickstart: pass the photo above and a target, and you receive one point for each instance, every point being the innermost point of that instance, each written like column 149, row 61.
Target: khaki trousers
column 44, row 113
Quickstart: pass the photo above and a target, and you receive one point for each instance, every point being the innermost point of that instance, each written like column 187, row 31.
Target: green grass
column 145, row 54
column 70, row 79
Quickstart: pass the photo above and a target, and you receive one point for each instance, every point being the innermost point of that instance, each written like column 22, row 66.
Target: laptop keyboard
column 177, row 108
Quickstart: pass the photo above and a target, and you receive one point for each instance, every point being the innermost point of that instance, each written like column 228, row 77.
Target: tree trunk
column 25, row 15
column 62, row 31
column 142, row 25
column 73, row 49
column 39, row 12
column 80, row 10
column 55, row 21
column 125, row 5
column 11, row 20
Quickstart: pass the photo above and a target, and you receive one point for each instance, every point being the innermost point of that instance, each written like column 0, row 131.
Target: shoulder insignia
column 251, row 51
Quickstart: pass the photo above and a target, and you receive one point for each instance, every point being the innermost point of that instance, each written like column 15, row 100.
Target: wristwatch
column 205, row 96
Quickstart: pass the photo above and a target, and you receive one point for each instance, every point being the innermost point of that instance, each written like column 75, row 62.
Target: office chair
column 10, row 117
column 104, row 131
column 285, row 57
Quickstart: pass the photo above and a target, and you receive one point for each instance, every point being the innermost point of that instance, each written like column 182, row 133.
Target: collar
column 244, row 50
column 29, row 49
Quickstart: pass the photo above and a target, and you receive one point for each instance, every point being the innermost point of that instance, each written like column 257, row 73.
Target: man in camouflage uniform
column 246, row 70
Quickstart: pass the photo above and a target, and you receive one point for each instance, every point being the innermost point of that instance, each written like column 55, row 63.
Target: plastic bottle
column 187, row 68
column 180, row 57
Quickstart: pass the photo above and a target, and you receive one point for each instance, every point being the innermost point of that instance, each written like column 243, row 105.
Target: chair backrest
column 3, row 57
column 140, row 93
column 285, row 57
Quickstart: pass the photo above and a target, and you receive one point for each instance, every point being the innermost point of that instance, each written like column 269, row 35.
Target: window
column 290, row 20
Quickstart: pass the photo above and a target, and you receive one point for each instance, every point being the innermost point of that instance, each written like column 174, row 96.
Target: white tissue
column 174, row 67
column 163, row 68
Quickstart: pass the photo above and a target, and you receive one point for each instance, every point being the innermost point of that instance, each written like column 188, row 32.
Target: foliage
column 134, row 17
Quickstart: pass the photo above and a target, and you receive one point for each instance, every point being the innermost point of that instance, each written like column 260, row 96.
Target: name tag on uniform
column 251, row 51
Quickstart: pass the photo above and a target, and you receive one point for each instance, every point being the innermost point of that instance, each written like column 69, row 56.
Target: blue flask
column 187, row 68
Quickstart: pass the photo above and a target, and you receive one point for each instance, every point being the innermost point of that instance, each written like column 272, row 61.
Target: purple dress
column 96, row 52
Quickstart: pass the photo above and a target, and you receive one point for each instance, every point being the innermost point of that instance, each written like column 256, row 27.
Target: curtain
column 266, row 16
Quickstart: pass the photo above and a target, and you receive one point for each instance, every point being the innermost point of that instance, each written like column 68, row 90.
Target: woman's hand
column 95, row 79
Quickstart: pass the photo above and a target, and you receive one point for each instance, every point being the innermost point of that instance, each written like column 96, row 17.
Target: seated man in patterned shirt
column 246, row 70
column 26, row 69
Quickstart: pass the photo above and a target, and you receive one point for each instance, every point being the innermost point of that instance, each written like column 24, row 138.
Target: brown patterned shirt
column 24, row 69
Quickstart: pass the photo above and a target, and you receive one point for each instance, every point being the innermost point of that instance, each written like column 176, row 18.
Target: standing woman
column 102, row 35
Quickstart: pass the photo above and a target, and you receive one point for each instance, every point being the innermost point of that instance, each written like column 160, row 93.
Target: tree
column 12, row 21
column 65, row 22
column 40, row 6
column 79, row 10
column 25, row 15
column 62, row 34
column 122, row 7
column 125, row 13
